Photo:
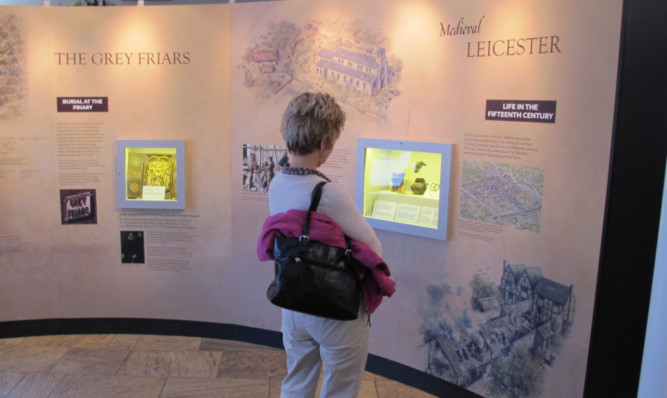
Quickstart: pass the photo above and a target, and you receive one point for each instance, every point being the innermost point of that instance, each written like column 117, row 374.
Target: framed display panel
column 151, row 174
column 404, row 186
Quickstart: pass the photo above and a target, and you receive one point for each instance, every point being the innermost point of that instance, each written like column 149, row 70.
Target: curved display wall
column 524, row 93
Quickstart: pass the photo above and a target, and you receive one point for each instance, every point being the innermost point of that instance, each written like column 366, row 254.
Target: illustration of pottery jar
column 419, row 187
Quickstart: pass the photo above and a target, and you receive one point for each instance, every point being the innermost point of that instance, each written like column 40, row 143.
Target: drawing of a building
column 518, row 282
column 366, row 73
column 549, row 301
column 266, row 58
column 533, row 311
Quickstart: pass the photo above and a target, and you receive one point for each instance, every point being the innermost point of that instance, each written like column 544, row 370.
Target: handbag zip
column 345, row 267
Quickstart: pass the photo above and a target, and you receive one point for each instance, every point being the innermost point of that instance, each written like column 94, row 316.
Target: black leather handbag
column 315, row 278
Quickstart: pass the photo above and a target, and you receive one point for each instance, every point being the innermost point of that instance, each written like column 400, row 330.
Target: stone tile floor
column 145, row 366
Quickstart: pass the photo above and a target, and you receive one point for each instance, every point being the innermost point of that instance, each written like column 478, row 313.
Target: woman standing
column 310, row 126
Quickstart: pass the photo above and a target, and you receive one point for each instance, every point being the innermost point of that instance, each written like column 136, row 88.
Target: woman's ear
column 325, row 143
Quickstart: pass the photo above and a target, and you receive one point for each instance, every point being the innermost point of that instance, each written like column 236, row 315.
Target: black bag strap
column 315, row 197
column 359, row 270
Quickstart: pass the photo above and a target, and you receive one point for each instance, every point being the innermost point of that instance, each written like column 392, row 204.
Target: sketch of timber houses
column 530, row 312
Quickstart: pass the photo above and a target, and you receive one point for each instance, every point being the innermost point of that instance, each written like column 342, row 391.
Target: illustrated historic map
column 502, row 194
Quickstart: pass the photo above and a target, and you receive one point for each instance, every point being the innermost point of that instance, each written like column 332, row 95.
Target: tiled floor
column 141, row 366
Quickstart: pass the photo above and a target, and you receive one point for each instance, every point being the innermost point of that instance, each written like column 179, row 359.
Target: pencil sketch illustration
column 504, row 337
column 12, row 66
column 345, row 59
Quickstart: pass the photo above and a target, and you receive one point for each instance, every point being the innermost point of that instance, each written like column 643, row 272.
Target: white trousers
column 310, row 341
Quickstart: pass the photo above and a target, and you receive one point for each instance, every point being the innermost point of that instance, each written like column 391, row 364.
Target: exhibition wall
column 526, row 94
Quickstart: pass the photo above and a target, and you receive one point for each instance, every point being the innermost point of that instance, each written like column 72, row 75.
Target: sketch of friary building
column 367, row 73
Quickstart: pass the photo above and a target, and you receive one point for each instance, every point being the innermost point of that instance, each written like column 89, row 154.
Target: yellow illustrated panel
column 150, row 174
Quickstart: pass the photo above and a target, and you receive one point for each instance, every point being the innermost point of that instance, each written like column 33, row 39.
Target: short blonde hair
column 309, row 119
